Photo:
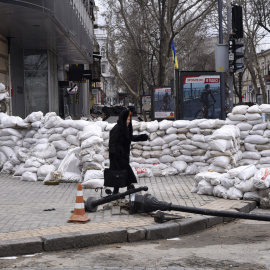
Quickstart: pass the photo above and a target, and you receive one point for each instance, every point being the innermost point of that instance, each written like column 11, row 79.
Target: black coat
column 120, row 139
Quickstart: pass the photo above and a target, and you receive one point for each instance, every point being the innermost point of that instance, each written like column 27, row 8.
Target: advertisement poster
column 146, row 103
column 200, row 95
column 163, row 103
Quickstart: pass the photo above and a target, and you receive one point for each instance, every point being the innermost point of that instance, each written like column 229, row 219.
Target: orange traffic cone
column 79, row 215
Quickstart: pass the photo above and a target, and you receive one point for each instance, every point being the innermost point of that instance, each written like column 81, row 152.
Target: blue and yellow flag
column 174, row 57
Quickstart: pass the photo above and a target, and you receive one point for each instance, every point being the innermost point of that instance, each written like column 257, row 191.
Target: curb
column 63, row 241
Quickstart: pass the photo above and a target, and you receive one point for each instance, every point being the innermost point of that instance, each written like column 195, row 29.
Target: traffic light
column 237, row 21
column 236, row 55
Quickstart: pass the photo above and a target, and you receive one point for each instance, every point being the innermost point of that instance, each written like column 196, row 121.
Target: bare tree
column 253, row 35
column 144, row 30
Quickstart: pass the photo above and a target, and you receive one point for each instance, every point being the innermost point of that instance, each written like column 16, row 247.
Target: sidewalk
column 33, row 216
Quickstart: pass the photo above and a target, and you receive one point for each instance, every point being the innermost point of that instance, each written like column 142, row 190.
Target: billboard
column 146, row 103
column 163, row 103
column 200, row 95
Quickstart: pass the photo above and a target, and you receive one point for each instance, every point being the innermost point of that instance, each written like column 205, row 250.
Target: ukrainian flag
column 174, row 57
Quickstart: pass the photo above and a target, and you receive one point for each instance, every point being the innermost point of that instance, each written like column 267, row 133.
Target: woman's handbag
column 115, row 178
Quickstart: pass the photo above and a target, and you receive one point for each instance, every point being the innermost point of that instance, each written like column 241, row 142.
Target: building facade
column 40, row 40
column 107, row 86
column 249, row 93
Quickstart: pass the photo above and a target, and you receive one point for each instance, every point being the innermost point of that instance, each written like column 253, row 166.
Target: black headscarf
column 122, row 122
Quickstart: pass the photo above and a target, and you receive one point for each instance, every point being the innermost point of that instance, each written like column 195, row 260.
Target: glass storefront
column 36, row 81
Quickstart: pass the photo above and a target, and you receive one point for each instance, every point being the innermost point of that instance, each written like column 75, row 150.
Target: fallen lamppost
column 148, row 203
column 91, row 203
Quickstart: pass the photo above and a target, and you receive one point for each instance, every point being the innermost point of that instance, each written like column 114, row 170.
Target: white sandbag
column 180, row 123
column 251, row 147
column 89, row 174
column 92, row 165
column 254, row 109
column 98, row 158
column 261, row 126
column 236, row 117
column 29, row 176
column 92, row 130
column 92, row 183
column 245, row 186
column 169, row 138
column 70, row 131
column 44, row 150
column 264, row 160
column 44, row 170
column 187, row 159
column 252, row 196
column 265, row 153
column 160, row 166
column 226, row 132
column 91, row 141
column 166, row 151
column 207, row 176
column 34, row 117
column 243, row 172
column 244, row 126
column 152, row 126
column 251, row 155
column 266, row 133
column 157, row 141
column 265, row 108
column 171, row 130
column 11, row 132
column 169, row 171
column 181, row 137
column 182, row 130
column 256, row 132
column 194, row 123
column 143, row 127
column 222, row 161
column 253, row 116
column 218, row 169
column 144, row 172
column 226, row 181
column 220, row 144
column 256, row 139
column 234, row 194
column 152, row 161
column 153, row 136
column 147, row 147
column 165, row 124
column 201, row 145
column 180, row 166
column 73, row 140
column 262, row 178
column 8, row 168
column 192, row 169
column 240, row 109
column 70, row 177
column 136, row 152
column 255, row 122
column 157, row 172
column 205, row 188
column 61, row 145
column 80, row 124
column 136, row 125
column 193, row 131
column 167, row 159
column 146, row 154
column 220, row 191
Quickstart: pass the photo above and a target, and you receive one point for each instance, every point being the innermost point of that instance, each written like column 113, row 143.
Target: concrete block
column 135, row 235
column 84, row 239
column 193, row 224
column 22, row 246
column 242, row 207
column 162, row 231
column 213, row 220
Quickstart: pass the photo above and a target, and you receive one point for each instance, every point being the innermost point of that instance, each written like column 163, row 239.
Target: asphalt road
column 241, row 245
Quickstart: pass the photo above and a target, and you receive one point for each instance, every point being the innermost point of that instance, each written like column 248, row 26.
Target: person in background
column 120, row 139
column 204, row 98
